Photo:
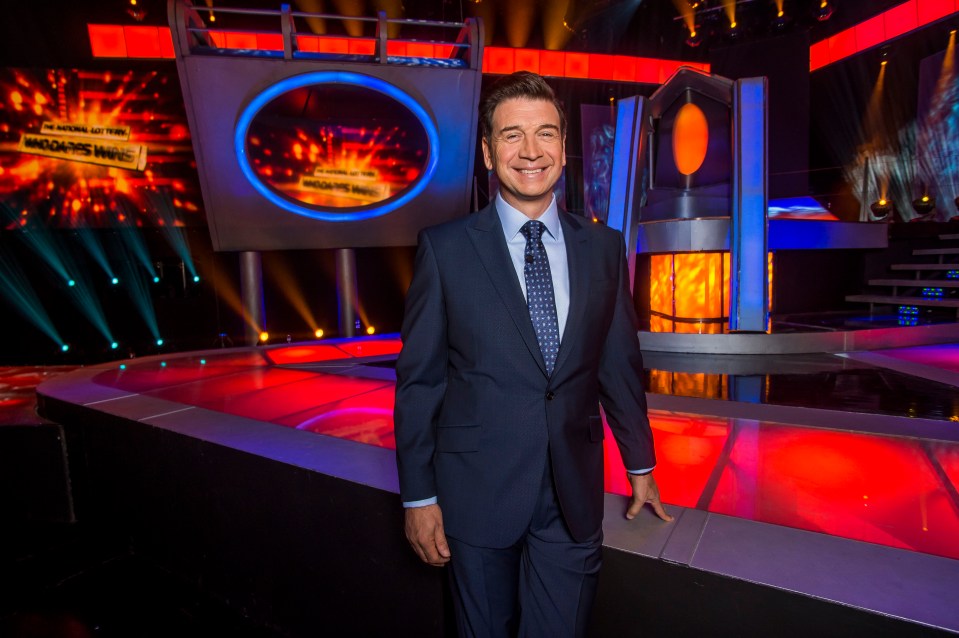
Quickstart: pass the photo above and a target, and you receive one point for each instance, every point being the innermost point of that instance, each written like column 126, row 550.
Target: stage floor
column 835, row 477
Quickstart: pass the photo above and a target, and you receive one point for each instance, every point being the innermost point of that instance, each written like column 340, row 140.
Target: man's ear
column 564, row 149
column 487, row 155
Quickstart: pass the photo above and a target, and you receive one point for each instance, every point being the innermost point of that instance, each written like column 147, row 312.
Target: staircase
column 931, row 285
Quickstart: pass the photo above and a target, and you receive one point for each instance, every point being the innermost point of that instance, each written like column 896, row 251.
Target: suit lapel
column 486, row 233
column 577, row 256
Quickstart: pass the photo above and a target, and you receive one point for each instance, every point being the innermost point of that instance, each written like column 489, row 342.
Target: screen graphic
column 95, row 149
column 336, row 146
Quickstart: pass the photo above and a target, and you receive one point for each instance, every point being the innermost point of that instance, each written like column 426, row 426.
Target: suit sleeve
column 420, row 376
column 621, row 378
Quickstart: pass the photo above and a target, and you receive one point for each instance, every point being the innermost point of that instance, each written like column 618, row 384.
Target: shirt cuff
column 641, row 472
column 421, row 503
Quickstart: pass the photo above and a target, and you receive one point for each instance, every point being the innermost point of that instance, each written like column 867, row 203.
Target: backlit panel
column 270, row 394
column 839, row 483
column 895, row 22
column 113, row 41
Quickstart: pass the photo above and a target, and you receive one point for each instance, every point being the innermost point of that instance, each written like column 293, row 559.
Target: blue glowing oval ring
column 336, row 77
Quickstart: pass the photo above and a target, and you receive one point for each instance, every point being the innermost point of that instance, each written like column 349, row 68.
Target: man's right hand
column 424, row 531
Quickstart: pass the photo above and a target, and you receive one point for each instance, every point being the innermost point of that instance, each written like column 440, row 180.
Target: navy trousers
column 543, row 586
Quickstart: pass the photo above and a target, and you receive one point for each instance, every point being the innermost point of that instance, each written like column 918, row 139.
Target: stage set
column 811, row 459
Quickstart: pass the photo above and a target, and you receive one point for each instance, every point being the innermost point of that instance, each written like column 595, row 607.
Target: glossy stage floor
column 809, row 482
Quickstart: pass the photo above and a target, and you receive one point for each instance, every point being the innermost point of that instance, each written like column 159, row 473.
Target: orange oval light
column 690, row 139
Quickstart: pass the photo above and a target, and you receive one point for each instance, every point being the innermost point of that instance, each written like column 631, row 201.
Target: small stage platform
column 267, row 476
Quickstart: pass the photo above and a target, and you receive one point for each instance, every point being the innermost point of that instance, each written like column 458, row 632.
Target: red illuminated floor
column 894, row 491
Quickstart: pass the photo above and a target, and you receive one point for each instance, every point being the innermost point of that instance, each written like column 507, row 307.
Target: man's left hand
column 645, row 491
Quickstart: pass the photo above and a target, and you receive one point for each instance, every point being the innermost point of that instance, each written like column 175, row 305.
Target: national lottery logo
column 81, row 142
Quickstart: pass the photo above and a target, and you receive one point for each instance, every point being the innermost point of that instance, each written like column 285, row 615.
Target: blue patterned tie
column 539, row 293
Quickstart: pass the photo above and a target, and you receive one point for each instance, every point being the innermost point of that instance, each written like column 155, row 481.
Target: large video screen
column 337, row 147
column 95, row 149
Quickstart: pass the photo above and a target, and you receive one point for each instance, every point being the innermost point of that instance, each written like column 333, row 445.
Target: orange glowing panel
column 142, row 42
column 500, row 60
column 527, row 60
column 661, row 284
column 601, row 67
column 334, row 45
column 552, row 63
column 236, row 40
column 698, row 285
column 107, row 41
column 900, row 19
column 931, row 10
column 362, row 46
column 308, row 43
column 648, row 71
column 870, row 33
column 819, row 55
column 690, row 138
column 165, row 36
column 577, row 65
column 624, row 68
column 269, row 41
column 419, row 50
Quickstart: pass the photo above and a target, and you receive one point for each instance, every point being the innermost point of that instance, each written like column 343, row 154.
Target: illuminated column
column 251, row 289
column 627, row 186
column 748, row 308
column 346, row 290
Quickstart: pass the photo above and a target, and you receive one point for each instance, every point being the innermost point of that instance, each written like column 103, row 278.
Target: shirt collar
column 512, row 220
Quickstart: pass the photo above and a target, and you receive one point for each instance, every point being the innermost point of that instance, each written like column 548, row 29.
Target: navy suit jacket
column 476, row 414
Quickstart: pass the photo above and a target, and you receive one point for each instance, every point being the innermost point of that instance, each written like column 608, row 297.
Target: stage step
column 925, row 267
column 904, row 301
column 936, row 251
column 916, row 283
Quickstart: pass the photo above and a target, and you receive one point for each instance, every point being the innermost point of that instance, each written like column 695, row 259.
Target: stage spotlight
column 318, row 333
column 71, row 283
column 924, row 205
column 781, row 21
column 114, row 281
column 825, row 10
column 370, row 330
column 202, row 362
column 734, row 30
column 114, row 345
column 123, row 366
column 196, row 279
column 159, row 342
column 264, row 336
column 695, row 38
column 881, row 208
column 64, row 348
column 156, row 280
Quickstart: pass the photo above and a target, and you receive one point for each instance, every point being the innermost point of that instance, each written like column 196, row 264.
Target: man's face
column 528, row 153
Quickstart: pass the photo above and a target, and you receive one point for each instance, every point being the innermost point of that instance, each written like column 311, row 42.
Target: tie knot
column 533, row 230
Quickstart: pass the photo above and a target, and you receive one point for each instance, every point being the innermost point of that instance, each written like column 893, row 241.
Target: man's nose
column 530, row 148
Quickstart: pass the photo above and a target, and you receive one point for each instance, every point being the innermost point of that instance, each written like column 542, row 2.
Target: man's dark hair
column 524, row 85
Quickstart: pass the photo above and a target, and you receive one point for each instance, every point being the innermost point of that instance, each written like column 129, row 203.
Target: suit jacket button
column 549, row 396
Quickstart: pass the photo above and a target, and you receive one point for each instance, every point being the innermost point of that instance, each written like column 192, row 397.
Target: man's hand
column 424, row 531
column 645, row 491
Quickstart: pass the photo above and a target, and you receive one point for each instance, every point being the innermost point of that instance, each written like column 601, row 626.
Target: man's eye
column 512, row 137
column 547, row 135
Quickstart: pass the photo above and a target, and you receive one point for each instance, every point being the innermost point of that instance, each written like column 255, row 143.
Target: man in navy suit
column 519, row 323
